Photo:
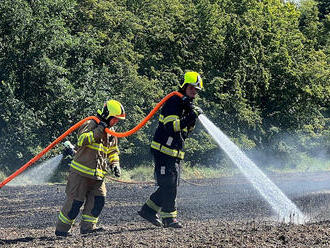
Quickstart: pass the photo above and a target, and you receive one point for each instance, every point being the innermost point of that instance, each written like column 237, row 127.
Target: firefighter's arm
column 189, row 120
column 89, row 133
column 171, row 115
column 114, row 159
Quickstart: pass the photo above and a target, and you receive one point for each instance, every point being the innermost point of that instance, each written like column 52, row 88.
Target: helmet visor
column 122, row 116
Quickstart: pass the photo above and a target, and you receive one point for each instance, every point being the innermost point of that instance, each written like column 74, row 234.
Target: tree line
column 265, row 66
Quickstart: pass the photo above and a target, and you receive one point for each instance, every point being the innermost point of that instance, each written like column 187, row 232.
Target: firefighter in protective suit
column 177, row 119
column 97, row 153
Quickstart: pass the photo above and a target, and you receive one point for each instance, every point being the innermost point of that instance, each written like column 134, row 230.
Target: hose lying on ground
column 148, row 182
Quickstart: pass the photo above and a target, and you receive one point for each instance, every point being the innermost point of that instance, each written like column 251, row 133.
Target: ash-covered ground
column 223, row 212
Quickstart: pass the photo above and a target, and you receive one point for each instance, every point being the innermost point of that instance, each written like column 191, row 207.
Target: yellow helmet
column 193, row 78
column 112, row 108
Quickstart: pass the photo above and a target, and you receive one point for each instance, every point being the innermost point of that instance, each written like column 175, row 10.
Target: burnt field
column 224, row 212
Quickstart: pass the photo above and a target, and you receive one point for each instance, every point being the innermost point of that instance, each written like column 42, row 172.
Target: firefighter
column 97, row 154
column 177, row 119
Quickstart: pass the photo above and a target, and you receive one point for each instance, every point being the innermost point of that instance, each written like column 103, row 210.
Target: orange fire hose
column 144, row 121
column 77, row 125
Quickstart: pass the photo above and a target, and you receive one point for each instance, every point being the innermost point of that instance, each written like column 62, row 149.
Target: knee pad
column 74, row 211
column 98, row 205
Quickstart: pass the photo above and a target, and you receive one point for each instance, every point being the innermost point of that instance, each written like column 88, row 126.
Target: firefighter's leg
column 75, row 194
column 149, row 212
column 169, row 194
column 152, row 207
column 94, row 204
column 169, row 210
column 67, row 215
column 155, row 201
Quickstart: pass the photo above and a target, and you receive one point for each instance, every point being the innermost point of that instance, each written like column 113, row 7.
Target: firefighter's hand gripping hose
column 78, row 124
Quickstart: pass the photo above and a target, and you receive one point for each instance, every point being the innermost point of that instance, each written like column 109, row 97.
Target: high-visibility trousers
column 81, row 191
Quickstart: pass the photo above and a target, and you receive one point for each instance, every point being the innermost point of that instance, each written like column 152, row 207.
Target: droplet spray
column 40, row 174
column 285, row 209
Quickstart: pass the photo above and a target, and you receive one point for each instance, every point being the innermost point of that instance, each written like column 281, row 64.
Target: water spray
column 78, row 124
column 39, row 174
column 286, row 210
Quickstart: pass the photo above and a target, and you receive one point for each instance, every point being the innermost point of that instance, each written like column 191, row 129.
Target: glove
column 69, row 151
column 187, row 103
column 104, row 113
column 190, row 119
column 116, row 170
column 197, row 110
column 103, row 124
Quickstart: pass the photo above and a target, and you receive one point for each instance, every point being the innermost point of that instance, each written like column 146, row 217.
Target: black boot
column 62, row 234
column 172, row 222
column 94, row 230
column 150, row 215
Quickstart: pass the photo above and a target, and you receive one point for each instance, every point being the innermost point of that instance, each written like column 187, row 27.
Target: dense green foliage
column 265, row 66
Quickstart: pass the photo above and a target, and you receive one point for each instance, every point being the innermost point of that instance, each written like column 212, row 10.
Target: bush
column 2, row 176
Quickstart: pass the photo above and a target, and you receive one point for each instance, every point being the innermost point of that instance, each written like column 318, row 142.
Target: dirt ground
column 223, row 212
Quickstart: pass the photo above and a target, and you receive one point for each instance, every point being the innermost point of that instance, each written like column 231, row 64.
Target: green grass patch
column 146, row 173
column 306, row 164
column 141, row 173
column 205, row 172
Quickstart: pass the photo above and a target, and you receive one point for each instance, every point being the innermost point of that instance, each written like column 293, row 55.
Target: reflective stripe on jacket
column 166, row 150
column 97, row 150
